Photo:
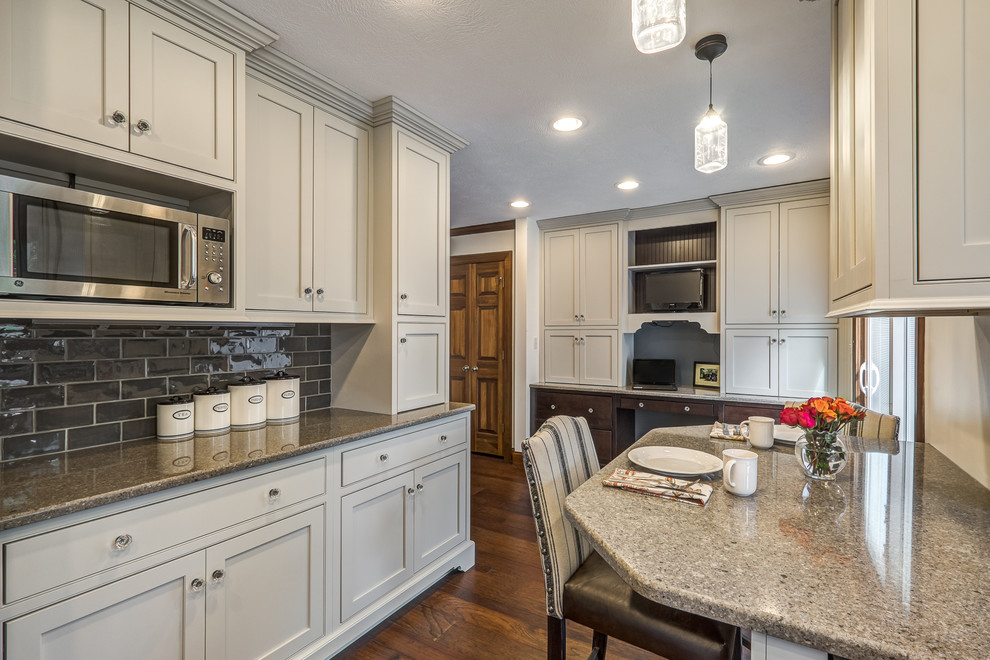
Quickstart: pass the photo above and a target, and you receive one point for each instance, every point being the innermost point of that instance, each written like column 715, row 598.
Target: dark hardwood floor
column 495, row 610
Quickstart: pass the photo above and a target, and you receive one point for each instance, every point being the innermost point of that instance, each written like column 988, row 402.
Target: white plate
column 785, row 434
column 675, row 461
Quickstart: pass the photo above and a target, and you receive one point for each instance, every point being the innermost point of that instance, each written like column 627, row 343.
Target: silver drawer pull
column 591, row 411
column 419, row 486
column 443, row 439
column 122, row 541
column 218, row 576
column 553, row 406
column 411, row 491
column 383, row 458
column 196, row 584
column 274, row 494
column 143, row 125
column 687, row 408
column 641, row 404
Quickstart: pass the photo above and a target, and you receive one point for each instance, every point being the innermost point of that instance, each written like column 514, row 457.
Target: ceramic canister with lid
column 175, row 418
column 247, row 402
column 212, row 410
column 283, row 397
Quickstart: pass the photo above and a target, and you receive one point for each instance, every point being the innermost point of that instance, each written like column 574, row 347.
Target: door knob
column 474, row 368
column 465, row 368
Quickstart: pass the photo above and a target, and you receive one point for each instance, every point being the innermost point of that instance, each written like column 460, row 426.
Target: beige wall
column 957, row 391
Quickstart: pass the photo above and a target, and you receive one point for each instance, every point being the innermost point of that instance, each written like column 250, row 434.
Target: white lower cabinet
column 398, row 526
column 587, row 357
column 258, row 595
column 795, row 363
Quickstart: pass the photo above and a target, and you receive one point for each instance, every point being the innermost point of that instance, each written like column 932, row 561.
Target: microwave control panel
column 214, row 260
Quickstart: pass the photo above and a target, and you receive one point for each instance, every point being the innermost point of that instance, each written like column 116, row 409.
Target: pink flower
column 805, row 419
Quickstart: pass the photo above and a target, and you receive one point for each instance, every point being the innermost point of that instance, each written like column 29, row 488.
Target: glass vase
column 821, row 454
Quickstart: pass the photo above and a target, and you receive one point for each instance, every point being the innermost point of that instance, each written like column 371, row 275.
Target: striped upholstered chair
column 874, row 425
column 580, row 585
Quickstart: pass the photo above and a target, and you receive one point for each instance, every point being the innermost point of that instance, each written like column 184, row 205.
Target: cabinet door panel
column 751, row 264
column 63, row 66
column 808, row 363
column 375, row 552
column 340, row 231
column 440, row 516
column 279, row 194
column 422, row 228
column 953, row 136
column 599, row 276
column 270, row 601
column 184, row 87
column 153, row 615
column 751, row 362
column 421, row 365
column 560, row 356
column 560, row 277
column 600, row 357
column 804, row 262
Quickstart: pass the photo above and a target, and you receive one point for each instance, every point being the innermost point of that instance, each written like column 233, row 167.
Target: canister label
column 257, row 398
column 221, row 407
column 182, row 414
column 288, row 394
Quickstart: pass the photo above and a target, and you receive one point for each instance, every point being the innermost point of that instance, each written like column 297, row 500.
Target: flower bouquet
column 821, row 452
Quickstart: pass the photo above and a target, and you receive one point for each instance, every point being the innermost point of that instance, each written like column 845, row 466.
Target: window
column 888, row 354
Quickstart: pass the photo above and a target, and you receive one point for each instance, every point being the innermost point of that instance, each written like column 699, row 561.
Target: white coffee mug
column 760, row 431
column 739, row 471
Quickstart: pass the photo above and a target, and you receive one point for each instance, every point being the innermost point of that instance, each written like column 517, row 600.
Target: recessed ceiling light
column 519, row 204
column 566, row 124
column 775, row 159
column 628, row 184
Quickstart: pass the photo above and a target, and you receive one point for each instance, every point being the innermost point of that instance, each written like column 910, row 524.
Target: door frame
column 507, row 320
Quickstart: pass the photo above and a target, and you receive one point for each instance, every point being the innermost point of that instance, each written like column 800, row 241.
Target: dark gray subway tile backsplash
column 71, row 385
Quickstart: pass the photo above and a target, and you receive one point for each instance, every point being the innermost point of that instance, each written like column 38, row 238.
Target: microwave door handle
column 188, row 256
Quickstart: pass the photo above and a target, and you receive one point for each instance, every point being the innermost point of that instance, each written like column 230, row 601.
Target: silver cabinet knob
column 582, row 317
column 687, row 408
column 783, row 312
column 196, row 584
column 319, row 292
column 122, row 541
column 402, row 340
column 641, row 404
column 143, row 126
column 553, row 406
column 402, row 296
column 274, row 494
column 783, row 341
column 591, row 411
column 218, row 576
column 308, row 290
column 773, row 312
column 419, row 486
column 465, row 368
column 411, row 491
column 575, row 317
column 118, row 117
column 383, row 458
column 474, row 368
column 443, row 439
column 773, row 340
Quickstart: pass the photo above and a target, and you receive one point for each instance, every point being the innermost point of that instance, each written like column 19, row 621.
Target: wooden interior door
column 480, row 346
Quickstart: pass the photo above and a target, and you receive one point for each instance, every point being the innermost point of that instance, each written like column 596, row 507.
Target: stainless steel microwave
column 60, row 243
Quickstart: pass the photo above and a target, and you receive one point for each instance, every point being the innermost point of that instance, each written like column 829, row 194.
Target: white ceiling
column 497, row 72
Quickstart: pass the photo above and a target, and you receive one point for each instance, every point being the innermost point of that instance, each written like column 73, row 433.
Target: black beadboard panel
column 672, row 245
column 70, row 385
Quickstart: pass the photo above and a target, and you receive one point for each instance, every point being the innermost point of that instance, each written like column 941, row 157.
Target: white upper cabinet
column 182, row 97
column 115, row 75
column 308, row 177
column 909, row 227
column 279, row 199
column 776, row 263
column 581, row 276
column 64, row 67
column 422, row 227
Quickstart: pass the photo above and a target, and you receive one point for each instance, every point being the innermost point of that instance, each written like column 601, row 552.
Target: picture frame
column 707, row 374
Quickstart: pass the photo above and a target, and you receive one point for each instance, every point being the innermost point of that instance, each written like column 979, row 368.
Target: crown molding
column 773, row 194
column 299, row 77
column 690, row 206
column 219, row 19
column 393, row 110
column 615, row 215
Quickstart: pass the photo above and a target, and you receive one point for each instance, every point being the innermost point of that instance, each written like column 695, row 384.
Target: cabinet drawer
column 681, row 407
column 596, row 409
column 37, row 563
column 379, row 457
column 735, row 413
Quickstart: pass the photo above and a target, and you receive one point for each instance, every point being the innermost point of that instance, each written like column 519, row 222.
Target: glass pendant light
column 657, row 24
column 711, row 141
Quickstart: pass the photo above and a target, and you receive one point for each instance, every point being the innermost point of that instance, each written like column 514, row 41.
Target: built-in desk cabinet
column 108, row 73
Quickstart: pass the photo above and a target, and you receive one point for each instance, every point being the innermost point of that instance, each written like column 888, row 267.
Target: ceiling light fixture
column 567, row 124
column 711, row 144
column 657, row 24
column 628, row 184
column 775, row 159
column 519, row 204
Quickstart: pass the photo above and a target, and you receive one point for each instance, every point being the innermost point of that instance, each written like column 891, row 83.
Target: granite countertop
column 44, row 487
column 680, row 393
column 890, row 561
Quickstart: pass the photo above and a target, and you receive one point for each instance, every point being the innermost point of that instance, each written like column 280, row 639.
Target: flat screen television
column 673, row 291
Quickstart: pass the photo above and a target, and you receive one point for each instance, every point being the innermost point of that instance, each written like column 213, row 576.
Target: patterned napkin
column 658, row 485
column 719, row 433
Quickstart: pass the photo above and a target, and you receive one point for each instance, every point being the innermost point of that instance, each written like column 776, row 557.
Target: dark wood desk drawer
column 733, row 413
column 686, row 407
column 597, row 409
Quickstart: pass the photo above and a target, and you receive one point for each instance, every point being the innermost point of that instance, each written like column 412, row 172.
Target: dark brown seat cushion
column 598, row 598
